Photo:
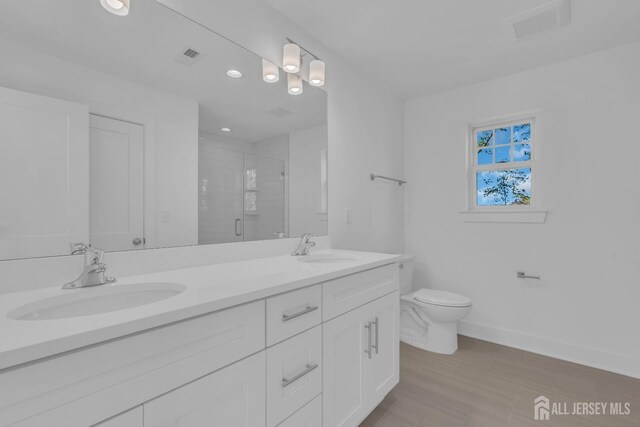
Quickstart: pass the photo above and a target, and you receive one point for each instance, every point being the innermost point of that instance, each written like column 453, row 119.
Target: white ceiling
column 142, row 48
column 419, row 47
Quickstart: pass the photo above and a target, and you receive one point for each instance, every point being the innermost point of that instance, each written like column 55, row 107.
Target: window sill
column 527, row 217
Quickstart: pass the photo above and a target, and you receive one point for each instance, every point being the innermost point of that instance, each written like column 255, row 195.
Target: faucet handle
column 93, row 256
column 78, row 248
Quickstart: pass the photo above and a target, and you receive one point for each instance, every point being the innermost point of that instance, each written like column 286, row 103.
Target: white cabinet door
column 361, row 361
column 116, row 177
column 44, row 175
column 231, row 397
column 345, row 340
column 384, row 365
column 132, row 418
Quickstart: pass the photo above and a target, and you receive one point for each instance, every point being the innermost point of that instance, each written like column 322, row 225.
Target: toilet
column 428, row 317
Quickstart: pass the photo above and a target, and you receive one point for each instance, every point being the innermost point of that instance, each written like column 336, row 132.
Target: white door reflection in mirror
column 44, row 171
column 116, row 152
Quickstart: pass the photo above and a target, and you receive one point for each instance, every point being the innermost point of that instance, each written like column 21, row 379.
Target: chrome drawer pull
column 368, row 328
column 309, row 309
column 288, row 381
column 375, row 322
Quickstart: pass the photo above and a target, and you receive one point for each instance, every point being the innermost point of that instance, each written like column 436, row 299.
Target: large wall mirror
column 133, row 133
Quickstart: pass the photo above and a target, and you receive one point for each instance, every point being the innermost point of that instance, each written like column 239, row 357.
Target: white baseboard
column 569, row 352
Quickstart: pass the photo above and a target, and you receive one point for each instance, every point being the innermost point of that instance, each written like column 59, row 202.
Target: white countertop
column 208, row 289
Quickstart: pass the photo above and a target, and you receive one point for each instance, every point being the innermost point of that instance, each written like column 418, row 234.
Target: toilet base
column 438, row 338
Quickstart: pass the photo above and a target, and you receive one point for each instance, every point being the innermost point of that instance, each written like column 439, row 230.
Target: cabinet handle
column 375, row 322
column 368, row 327
column 238, row 232
column 309, row 309
column 287, row 381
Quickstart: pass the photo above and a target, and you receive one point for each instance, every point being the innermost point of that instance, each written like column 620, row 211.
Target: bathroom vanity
column 279, row 341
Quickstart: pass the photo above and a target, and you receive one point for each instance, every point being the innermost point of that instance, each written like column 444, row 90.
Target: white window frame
column 499, row 213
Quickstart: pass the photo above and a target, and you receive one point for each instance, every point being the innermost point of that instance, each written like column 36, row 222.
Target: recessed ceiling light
column 117, row 7
column 234, row 74
column 226, row 129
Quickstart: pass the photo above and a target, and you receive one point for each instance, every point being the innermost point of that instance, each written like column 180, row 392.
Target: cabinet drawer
column 96, row 382
column 294, row 374
column 346, row 293
column 309, row 416
column 293, row 312
column 231, row 397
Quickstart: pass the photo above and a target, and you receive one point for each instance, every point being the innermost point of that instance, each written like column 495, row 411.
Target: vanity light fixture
column 316, row 72
column 294, row 84
column 234, row 74
column 291, row 58
column 226, row 129
column 117, row 7
column 270, row 72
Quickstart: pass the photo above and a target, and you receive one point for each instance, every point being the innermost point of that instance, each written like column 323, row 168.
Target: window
column 502, row 165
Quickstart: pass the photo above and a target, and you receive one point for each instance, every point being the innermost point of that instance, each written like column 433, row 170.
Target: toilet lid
column 435, row 297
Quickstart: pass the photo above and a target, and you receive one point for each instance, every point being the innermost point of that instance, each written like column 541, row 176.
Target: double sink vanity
column 190, row 161
column 277, row 341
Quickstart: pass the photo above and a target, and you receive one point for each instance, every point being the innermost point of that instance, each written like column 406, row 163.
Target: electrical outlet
column 165, row 215
column 347, row 215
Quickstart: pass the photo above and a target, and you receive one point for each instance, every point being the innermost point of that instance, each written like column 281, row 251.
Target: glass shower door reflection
column 242, row 196
column 221, row 204
column 264, row 197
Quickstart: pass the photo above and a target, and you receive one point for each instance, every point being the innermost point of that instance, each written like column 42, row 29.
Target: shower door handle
column 238, row 230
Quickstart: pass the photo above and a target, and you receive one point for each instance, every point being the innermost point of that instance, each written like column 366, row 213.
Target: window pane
column 503, row 154
column 503, row 136
column 521, row 152
column 504, row 187
column 522, row 132
column 485, row 156
column 485, row 138
column 250, row 201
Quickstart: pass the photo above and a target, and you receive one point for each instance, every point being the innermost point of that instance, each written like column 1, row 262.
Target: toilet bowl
column 428, row 317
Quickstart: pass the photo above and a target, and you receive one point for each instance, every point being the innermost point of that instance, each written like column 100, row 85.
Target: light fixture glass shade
column 316, row 72
column 117, row 7
column 291, row 58
column 270, row 72
column 294, row 84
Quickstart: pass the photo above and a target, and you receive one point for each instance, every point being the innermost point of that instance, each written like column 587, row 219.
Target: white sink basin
column 325, row 258
column 96, row 300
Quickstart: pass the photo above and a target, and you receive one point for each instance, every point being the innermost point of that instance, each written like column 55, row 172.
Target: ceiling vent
column 278, row 111
column 542, row 19
column 188, row 56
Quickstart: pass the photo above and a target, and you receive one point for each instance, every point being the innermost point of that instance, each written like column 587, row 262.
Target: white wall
column 305, row 154
column 176, row 126
column 365, row 123
column 586, row 308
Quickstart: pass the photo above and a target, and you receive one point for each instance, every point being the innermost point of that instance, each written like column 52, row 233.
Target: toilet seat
column 441, row 298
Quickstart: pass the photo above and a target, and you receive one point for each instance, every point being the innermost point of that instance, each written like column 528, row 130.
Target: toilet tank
column 406, row 273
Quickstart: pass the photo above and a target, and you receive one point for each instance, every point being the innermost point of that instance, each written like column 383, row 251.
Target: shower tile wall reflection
column 243, row 189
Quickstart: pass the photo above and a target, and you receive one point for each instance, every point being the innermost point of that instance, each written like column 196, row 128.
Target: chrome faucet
column 78, row 248
column 93, row 271
column 304, row 246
